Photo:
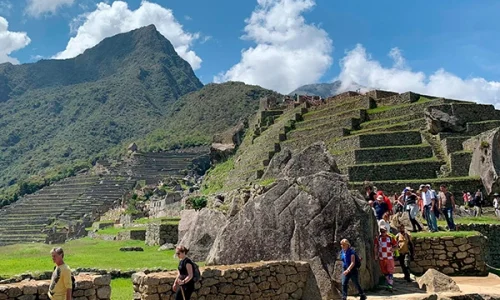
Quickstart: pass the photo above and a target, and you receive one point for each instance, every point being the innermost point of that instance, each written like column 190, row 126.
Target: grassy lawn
column 444, row 233
column 17, row 259
column 473, row 220
column 121, row 288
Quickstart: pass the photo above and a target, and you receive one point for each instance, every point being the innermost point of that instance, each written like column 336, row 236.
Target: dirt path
column 410, row 291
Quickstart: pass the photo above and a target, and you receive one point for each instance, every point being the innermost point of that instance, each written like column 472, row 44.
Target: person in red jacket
column 386, row 200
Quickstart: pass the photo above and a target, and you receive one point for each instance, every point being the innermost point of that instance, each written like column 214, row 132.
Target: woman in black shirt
column 184, row 285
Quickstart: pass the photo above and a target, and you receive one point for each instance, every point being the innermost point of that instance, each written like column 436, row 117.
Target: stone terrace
column 379, row 136
column 68, row 200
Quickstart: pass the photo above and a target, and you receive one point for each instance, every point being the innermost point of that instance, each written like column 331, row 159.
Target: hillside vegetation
column 58, row 116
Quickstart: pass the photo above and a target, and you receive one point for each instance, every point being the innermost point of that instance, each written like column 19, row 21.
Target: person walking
column 351, row 271
column 61, row 285
column 429, row 203
column 384, row 248
column 478, row 200
column 184, row 285
column 496, row 204
column 447, row 205
column 406, row 251
column 380, row 207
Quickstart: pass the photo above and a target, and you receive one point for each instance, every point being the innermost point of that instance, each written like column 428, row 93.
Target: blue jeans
column 354, row 276
column 430, row 217
column 448, row 215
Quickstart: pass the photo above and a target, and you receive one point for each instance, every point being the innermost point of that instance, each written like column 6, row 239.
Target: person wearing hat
column 384, row 253
column 496, row 204
column 380, row 207
column 429, row 204
column 447, row 206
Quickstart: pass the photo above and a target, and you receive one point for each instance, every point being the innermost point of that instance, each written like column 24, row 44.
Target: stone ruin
column 301, row 217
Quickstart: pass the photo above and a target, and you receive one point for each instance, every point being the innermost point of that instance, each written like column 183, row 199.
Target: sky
column 441, row 48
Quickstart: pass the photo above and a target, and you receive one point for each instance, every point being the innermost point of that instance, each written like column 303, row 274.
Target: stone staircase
column 380, row 137
column 68, row 200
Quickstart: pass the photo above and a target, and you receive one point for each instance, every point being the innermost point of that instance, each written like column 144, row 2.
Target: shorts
column 386, row 266
column 413, row 209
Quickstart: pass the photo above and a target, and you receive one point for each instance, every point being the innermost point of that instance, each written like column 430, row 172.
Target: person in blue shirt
column 380, row 207
column 348, row 256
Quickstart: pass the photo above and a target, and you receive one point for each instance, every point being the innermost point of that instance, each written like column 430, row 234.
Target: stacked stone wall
column 87, row 287
column 492, row 247
column 379, row 94
column 451, row 255
column 158, row 234
column 265, row 280
column 134, row 234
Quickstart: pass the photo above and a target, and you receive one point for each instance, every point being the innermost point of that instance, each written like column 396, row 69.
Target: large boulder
column 441, row 119
column 302, row 217
column 485, row 162
column 436, row 282
column 198, row 230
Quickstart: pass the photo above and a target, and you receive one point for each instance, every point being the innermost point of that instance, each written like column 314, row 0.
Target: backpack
column 196, row 272
column 357, row 260
column 73, row 284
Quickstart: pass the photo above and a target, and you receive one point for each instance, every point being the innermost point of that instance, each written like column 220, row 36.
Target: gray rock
column 167, row 246
column 441, row 119
column 302, row 217
column 436, row 282
column 136, row 249
column 485, row 158
column 200, row 229
column 277, row 164
column 311, row 160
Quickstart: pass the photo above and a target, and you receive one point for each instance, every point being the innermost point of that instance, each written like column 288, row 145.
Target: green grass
column 403, row 162
column 217, row 176
column 423, row 145
column 267, row 182
column 377, row 129
column 389, row 107
column 445, row 234
column 165, row 220
column 428, row 180
column 473, row 220
column 17, row 259
column 111, row 230
column 122, row 288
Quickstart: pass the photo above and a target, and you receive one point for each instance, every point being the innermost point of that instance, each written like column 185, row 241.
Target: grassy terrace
column 444, row 234
column 389, row 107
column 473, row 220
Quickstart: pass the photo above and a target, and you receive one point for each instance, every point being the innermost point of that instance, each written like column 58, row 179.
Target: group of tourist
column 428, row 202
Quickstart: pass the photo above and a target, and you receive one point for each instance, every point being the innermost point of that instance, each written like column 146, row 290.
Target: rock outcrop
column 436, row 282
column 485, row 158
column 302, row 217
column 441, row 119
column 225, row 144
column 198, row 230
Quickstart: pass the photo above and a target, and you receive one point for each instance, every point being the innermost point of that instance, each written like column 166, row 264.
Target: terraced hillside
column 380, row 136
column 68, row 200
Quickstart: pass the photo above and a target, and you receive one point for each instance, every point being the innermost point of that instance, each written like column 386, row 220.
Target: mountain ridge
column 324, row 90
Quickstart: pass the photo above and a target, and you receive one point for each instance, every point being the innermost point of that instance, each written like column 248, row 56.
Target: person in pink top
column 384, row 253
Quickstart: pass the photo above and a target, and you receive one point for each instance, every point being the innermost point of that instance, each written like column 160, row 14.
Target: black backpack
column 196, row 272
column 357, row 260
column 73, row 284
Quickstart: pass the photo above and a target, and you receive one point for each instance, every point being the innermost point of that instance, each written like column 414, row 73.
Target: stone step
column 453, row 144
column 326, row 123
column 300, row 143
column 310, row 121
column 363, row 103
column 417, row 124
column 396, row 186
column 340, row 125
column 387, row 112
column 460, row 163
column 383, row 154
column 370, row 140
column 19, row 231
column 423, row 169
column 475, row 128
column 390, row 121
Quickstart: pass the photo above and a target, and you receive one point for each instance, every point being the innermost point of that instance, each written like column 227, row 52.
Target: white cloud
column 289, row 52
column 108, row 20
column 10, row 42
column 359, row 67
column 37, row 8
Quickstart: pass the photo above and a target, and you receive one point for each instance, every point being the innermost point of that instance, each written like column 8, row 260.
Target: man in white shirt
column 429, row 202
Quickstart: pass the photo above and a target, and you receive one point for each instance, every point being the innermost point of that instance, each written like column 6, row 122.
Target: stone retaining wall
column 158, row 234
column 451, row 256
column 134, row 234
column 264, row 280
column 492, row 233
column 87, row 287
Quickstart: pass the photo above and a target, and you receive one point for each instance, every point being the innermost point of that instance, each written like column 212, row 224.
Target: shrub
column 198, row 202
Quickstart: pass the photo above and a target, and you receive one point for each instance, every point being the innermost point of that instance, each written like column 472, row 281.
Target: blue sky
column 449, row 48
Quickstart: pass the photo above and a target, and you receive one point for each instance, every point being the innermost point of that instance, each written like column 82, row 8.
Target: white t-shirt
column 427, row 197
